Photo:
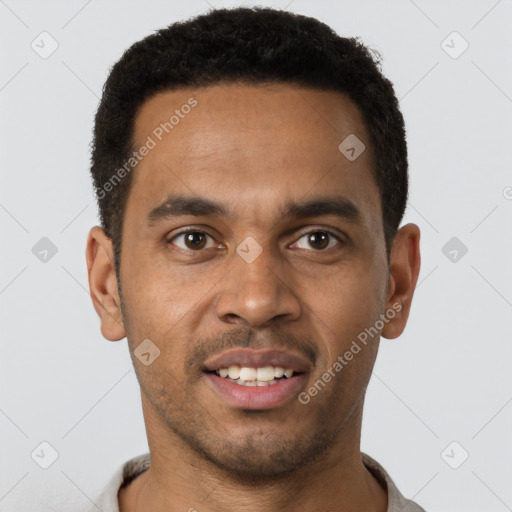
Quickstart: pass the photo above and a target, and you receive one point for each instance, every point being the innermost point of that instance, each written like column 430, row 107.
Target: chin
column 256, row 459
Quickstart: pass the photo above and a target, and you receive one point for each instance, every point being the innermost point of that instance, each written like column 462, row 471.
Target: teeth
column 234, row 372
column 253, row 383
column 278, row 372
column 266, row 375
column 248, row 373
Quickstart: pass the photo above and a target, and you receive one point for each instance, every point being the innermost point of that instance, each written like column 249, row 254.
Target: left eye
column 193, row 240
column 319, row 240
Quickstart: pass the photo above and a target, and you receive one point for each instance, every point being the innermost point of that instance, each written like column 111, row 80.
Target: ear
column 103, row 284
column 404, row 270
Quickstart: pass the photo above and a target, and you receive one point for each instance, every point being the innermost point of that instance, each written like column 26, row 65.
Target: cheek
column 161, row 308
column 349, row 303
column 155, row 291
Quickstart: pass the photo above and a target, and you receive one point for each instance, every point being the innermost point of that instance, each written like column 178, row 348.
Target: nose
column 257, row 293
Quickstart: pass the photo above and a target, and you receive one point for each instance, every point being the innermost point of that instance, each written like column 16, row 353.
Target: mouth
column 261, row 377
column 250, row 379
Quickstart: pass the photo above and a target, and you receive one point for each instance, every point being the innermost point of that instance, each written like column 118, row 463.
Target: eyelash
column 195, row 230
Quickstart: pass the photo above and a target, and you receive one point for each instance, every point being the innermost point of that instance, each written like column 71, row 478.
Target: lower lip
column 257, row 397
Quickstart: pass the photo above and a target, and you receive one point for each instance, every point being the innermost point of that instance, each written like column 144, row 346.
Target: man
column 251, row 173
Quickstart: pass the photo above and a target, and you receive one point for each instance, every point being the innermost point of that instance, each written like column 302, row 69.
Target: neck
column 179, row 479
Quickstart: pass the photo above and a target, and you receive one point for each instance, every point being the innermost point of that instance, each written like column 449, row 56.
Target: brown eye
column 191, row 240
column 195, row 240
column 319, row 240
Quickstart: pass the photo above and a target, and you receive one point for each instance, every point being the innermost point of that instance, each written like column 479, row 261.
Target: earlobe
column 103, row 284
column 405, row 264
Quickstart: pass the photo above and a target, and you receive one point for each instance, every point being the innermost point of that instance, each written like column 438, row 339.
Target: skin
column 252, row 148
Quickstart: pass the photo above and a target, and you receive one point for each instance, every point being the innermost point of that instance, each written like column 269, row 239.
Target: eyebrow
column 177, row 205
column 337, row 206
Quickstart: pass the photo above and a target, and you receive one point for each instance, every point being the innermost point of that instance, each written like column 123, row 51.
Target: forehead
column 249, row 114
column 251, row 145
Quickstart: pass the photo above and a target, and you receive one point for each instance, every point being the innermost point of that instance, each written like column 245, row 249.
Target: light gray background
column 447, row 378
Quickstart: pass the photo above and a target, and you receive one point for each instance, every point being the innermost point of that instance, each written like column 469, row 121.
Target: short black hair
column 252, row 46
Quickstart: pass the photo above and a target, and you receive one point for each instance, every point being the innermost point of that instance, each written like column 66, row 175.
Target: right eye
column 192, row 240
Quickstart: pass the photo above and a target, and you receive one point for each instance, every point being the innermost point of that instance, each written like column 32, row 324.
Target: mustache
column 248, row 338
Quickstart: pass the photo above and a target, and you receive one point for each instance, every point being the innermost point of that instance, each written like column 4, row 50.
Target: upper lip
column 250, row 358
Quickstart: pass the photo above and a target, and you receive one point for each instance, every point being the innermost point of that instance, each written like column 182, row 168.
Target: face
column 250, row 240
